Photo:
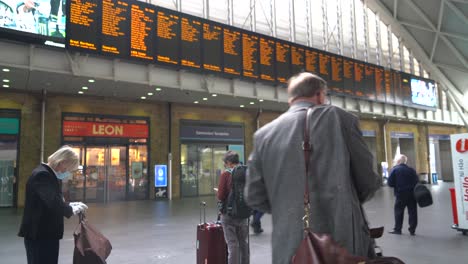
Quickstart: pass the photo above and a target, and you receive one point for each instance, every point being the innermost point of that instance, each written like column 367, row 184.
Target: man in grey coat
column 341, row 175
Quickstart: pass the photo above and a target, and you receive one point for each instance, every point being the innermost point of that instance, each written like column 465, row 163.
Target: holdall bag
column 321, row 248
column 91, row 247
column 422, row 195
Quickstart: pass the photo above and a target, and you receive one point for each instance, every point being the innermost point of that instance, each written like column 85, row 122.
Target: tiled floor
column 164, row 232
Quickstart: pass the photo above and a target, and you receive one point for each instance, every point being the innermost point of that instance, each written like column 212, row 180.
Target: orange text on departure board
column 266, row 56
column 140, row 28
column 379, row 78
column 297, row 56
column 311, row 61
column 388, row 83
column 358, row 77
column 249, row 51
column 336, row 64
column 324, row 61
column 112, row 15
column 189, row 33
column 166, row 25
column 230, row 40
column 282, row 52
column 80, row 12
column 211, row 35
column 348, row 66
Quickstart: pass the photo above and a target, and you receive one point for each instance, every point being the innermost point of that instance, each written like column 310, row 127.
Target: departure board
column 324, row 66
column 336, row 80
column 232, row 51
column 168, row 36
column 406, row 88
column 297, row 59
column 369, row 82
column 190, row 42
column 83, row 21
column 143, row 22
column 283, row 61
column 212, row 48
column 348, row 76
column 267, row 59
column 397, row 87
column 311, row 61
column 379, row 84
column 359, row 79
column 250, row 55
column 115, row 27
column 389, row 91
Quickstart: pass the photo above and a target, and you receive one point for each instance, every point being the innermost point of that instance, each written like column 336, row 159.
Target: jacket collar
column 49, row 168
column 299, row 106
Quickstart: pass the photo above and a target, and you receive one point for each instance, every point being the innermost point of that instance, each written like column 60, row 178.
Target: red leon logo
column 462, row 145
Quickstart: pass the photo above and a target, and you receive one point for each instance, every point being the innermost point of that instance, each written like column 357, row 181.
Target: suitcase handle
column 203, row 204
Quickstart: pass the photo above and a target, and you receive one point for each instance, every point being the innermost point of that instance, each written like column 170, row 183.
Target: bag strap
column 307, row 148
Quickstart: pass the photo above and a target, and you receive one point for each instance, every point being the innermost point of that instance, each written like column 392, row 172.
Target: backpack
column 422, row 195
column 236, row 206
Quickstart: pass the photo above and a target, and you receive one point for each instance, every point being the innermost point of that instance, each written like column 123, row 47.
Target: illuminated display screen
column 232, row 51
column 423, row 92
column 212, row 48
column 168, row 36
column 267, row 59
column 37, row 20
column 138, row 30
column 297, row 59
column 190, row 45
column 283, row 61
column 250, row 55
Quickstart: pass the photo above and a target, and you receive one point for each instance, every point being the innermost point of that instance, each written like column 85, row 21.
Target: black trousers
column 403, row 200
column 42, row 251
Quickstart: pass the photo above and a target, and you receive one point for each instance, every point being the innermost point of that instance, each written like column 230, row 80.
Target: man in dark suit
column 403, row 179
column 44, row 209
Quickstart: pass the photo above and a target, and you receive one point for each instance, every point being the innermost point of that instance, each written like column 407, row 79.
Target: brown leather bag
column 321, row 248
column 91, row 247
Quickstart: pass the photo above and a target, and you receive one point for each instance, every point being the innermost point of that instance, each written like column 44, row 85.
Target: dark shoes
column 395, row 232
column 411, row 232
column 257, row 228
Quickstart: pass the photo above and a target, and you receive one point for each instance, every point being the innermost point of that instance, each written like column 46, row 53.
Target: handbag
column 422, row 195
column 91, row 247
column 321, row 248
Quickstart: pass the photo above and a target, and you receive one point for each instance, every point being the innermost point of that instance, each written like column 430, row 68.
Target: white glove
column 78, row 207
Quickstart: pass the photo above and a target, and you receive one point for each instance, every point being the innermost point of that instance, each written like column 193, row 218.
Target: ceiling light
column 6, row 80
column 6, row 86
column 150, row 94
column 143, row 97
column 260, row 100
column 6, row 70
column 214, row 95
column 91, row 80
column 252, row 103
column 374, row 117
column 204, row 98
column 158, row 89
column 80, row 92
column 84, row 88
column 241, row 106
column 196, row 102
column 399, row 119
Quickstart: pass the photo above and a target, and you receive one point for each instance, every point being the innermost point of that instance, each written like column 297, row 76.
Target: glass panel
column 138, row 172
column 263, row 16
column 193, row 7
column 300, row 18
column 218, row 154
column 189, row 169
column 218, row 11
column 73, row 187
column 116, row 173
column 95, row 174
column 282, row 20
column 205, row 181
column 242, row 14
column 8, row 153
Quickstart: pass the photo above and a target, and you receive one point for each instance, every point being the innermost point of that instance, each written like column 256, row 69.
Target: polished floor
column 164, row 232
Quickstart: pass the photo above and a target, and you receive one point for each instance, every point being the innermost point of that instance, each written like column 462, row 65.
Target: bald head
column 306, row 86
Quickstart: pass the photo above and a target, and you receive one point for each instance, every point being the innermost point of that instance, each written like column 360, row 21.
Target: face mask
column 229, row 170
column 63, row 175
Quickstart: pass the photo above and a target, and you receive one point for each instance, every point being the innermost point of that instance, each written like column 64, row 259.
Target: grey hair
column 305, row 84
column 65, row 154
column 231, row 156
column 399, row 159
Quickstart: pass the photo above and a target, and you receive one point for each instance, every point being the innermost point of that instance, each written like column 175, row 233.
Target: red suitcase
column 211, row 246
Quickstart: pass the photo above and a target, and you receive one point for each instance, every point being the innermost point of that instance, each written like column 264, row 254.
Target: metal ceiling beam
column 458, row 12
column 439, row 23
column 395, row 8
column 451, row 67
column 445, row 33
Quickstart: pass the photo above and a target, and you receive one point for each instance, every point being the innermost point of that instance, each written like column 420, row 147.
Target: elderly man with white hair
column 403, row 179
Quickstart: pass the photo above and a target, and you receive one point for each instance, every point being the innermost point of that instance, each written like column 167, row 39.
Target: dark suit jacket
column 403, row 179
column 44, row 208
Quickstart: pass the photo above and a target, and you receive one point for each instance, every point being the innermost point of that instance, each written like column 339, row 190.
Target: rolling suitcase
column 211, row 246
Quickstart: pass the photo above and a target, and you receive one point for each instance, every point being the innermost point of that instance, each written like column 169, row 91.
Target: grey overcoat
column 341, row 177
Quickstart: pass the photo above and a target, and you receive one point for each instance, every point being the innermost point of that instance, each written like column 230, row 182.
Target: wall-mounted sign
column 9, row 125
column 201, row 132
column 459, row 146
column 401, row 134
column 160, row 175
column 439, row 136
column 97, row 129
column 369, row 133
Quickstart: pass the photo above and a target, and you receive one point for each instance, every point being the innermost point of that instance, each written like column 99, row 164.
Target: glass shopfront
column 203, row 145
column 114, row 158
column 403, row 143
column 9, row 145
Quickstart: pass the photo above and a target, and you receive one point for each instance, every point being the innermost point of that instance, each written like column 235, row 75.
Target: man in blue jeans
column 403, row 179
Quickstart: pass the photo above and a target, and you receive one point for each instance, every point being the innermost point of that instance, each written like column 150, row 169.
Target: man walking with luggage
column 234, row 211
column 403, row 179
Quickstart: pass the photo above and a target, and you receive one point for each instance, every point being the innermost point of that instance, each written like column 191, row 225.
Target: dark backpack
column 236, row 206
column 422, row 195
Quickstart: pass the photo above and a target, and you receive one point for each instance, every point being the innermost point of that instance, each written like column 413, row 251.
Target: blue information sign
column 160, row 175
